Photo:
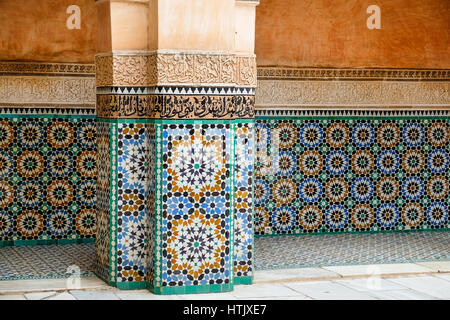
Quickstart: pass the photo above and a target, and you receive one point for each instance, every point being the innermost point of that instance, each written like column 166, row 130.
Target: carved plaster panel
column 187, row 69
column 265, row 73
column 42, row 90
column 351, row 93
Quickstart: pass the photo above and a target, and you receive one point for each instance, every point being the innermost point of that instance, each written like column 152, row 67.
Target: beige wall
column 35, row 30
column 329, row 33
column 195, row 24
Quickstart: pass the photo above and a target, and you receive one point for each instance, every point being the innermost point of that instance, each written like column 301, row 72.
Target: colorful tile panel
column 243, row 199
column 136, row 196
column 47, row 178
column 103, row 241
column 321, row 174
column 197, row 212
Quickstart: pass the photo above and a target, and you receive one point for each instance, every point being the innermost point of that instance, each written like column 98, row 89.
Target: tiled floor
column 350, row 249
column 53, row 261
column 46, row 261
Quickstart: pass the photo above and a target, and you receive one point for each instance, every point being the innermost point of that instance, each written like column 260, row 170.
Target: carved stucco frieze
column 60, row 69
column 31, row 90
column 349, row 93
column 161, row 68
column 280, row 73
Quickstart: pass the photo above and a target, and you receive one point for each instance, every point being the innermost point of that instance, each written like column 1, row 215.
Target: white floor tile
column 93, row 295
column 294, row 274
column 370, row 284
column 432, row 286
column 62, row 296
column 405, row 294
column 12, row 297
column 39, row 295
column 383, row 269
column 263, row 290
column 327, row 290
column 437, row 266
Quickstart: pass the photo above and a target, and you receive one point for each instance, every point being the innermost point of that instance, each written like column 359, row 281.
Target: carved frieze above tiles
column 54, row 85
column 40, row 90
column 272, row 93
column 166, row 68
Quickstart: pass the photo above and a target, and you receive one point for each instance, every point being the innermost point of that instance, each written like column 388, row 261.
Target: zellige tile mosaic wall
column 351, row 172
column 47, row 178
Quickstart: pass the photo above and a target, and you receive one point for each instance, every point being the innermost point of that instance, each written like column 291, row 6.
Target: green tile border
column 21, row 243
column 210, row 288
column 243, row 280
column 134, row 285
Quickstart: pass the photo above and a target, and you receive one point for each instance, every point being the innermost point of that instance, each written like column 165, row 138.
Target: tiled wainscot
column 351, row 171
column 47, row 179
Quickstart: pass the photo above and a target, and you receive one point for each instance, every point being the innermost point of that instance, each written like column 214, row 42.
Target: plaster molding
column 280, row 73
column 57, row 91
column 166, row 68
column 49, row 69
column 352, row 94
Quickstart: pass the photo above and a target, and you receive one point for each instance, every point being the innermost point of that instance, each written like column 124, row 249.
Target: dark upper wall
column 35, row 30
column 330, row 33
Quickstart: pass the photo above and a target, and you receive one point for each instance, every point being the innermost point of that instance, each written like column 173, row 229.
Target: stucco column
column 175, row 122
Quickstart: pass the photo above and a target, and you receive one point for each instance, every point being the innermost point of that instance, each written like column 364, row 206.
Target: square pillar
column 175, row 164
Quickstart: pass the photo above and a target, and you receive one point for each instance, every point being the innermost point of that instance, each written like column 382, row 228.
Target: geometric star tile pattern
column 47, row 178
column 196, row 204
column 351, row 174
column 103, row 241
column 243, row 200
column 136, row 185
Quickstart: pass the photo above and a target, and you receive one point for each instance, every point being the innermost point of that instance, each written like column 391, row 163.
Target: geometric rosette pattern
column 196, row 204
column 47, row 178
column 351, row 174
